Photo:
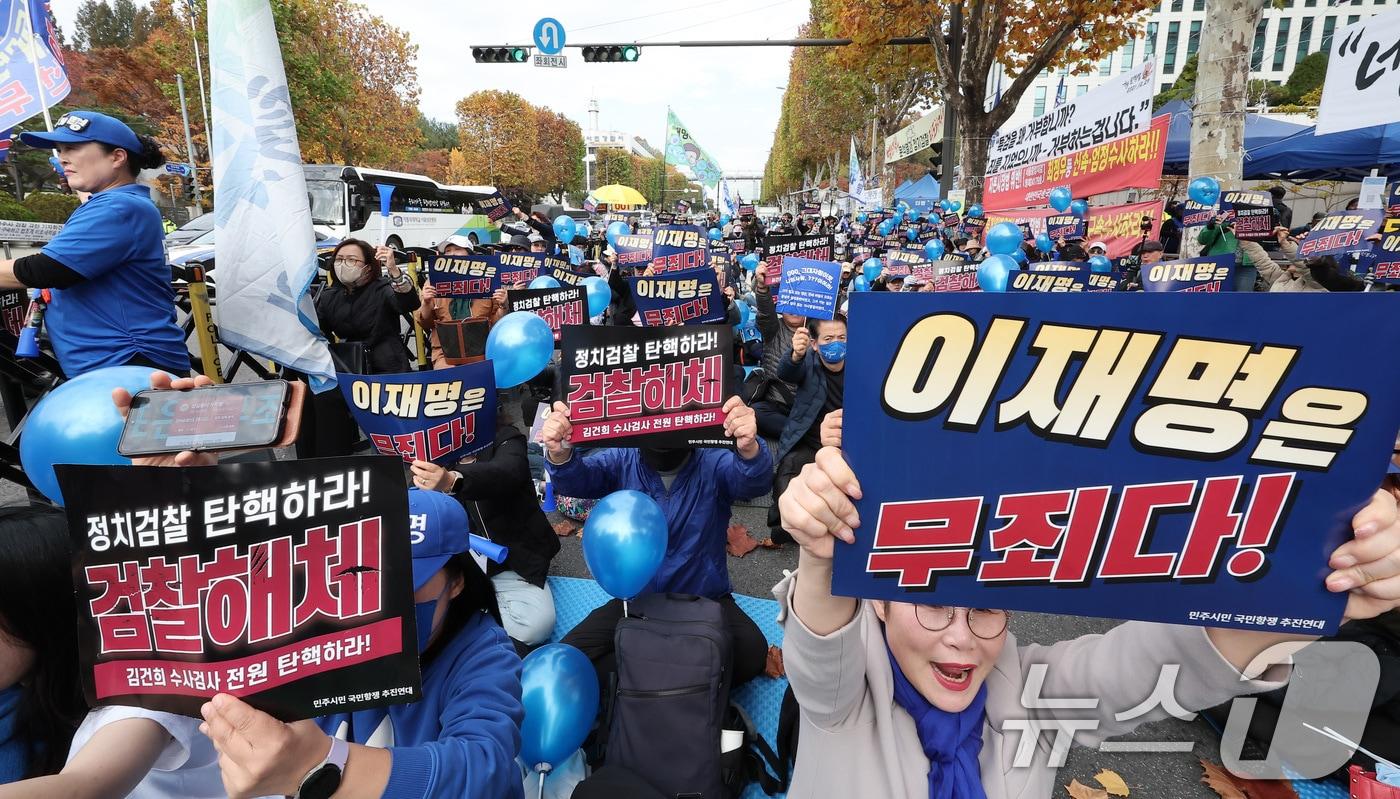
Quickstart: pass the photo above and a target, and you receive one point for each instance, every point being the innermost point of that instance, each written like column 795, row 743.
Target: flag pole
column 34, row 61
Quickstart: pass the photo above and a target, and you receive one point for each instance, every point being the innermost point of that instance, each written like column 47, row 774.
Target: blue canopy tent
column 902, row 189
column 922, row 195
column 1348, row 156
column 1258, row 131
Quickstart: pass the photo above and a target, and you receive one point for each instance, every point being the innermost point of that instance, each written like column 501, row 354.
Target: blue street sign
column 178, row 169
column 549, row 36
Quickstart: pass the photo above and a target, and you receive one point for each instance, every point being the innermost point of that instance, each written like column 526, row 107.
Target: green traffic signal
column 517, row 54
column 629, row 53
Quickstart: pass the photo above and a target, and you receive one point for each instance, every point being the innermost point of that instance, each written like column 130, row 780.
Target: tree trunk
column 975, row 131
column 1222, row 76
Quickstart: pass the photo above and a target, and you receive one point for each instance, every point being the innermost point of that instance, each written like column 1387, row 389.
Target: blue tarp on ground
column 1258, row 132
column 1350, row 155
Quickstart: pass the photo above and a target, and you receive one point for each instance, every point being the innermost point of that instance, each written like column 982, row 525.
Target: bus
column 422, row 212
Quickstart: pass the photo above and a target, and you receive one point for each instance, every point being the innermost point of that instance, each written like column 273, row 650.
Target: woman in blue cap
column 461, row 739
column 111, row 301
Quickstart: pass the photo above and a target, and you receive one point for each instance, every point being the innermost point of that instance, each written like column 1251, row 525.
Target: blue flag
column 32, row 74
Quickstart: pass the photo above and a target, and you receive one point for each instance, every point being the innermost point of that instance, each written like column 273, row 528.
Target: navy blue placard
column 809, row 287
column 691, row 297
column 1211, row 274
column 439, row 416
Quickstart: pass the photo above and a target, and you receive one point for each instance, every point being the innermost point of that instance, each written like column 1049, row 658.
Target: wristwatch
column 323, row 781
column 456, row 482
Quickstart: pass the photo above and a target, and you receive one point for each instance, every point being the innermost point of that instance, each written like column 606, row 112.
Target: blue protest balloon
column 1204, row 190
column 624, row 541
column 544, row 282
column 519, row 346
column 1020, row 255
column 1003, row 238
column 745, row 313
column 615, row 230
column 725, row 219
column 912, row 234
column 1100, row 263
column 887, row 227
column 943, row 206
column 935, row 249
column 862, row 217
column 1043, row 242
column 716, row 234
column 559, row 691
column 599, row 294
column 77, row 423
column 582, row 230
column 954, row 206
column 871, row 269
column 1079, row 208
column 859, row 283
column 1060, row 198
column 974, row 211
column 565, row 229
column 993, row 273
column 749, row 262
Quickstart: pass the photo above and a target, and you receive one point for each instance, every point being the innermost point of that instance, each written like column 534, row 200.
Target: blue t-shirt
column 126, row 306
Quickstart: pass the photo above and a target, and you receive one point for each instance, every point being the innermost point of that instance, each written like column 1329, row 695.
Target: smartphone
column 213, row 418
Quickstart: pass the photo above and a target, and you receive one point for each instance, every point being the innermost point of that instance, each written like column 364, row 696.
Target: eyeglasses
column 349, row 262
column 985, row 623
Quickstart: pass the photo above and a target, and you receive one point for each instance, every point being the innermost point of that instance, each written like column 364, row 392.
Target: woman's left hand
column 431, row 477
column 1368, row 566
column 259, row 755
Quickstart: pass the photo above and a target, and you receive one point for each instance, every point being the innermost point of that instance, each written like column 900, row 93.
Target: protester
column 696, row 489
column 1218, row 238
column 460, row 739
column 817, row 366
column 436, row 310
column 911, row 700
column 496, row 488
column 772, row 400
column 1148, row 252
column 1097, row 248
column 110, row 302
column 1289, row 274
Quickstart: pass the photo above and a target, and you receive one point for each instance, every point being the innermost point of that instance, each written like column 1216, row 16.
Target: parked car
column 191, row 230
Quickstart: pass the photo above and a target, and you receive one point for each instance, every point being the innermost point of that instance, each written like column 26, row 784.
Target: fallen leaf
column 565, row 529
column 1078, row 790
column 1221, row 781
column 774, row 667
column 769, row 543
column 741, row 541
column 1230, row 786
column 1111, row 782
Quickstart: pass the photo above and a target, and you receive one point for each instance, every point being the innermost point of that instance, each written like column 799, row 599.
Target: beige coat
column 855, row 741
column 1275, row 273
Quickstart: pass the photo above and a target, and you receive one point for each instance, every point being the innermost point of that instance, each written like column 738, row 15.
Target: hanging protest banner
column 1062, row 277
column 1117, row 226
column 1117, row 108
column 495, row 208
column 955, row 274
column 647, row 386
column 1131, row 161
column 1195, row 214
column 809, row 288
column 818, row 248
column 1174, row 461
column 676, row 248
column 915, row 139
column 465, row 277
column 1340, row 232
column 691, row 297
column 1362, row 80
column 439, row 416
column 514, row 268
column 567, row 305
column 1212, row 273
column 1066, row 227
column 285, row 583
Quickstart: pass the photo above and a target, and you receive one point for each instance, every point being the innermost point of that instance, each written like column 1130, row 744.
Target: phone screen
column 232, row 416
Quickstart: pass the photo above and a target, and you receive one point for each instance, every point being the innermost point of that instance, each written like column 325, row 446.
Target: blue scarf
column 951, row 741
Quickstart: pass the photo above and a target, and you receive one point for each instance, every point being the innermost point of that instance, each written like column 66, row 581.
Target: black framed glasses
column 985, row 623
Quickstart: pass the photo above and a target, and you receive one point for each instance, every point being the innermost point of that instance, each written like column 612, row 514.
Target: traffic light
column 501, row 55
column 612, row 52
column 191, row 194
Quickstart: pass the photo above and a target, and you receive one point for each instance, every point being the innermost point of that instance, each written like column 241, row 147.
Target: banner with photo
column 1173, row 461
column 287, row 584
column 1210, row 273
column 1131, row 161
column 691, row 297
column 567, row 305
column 440, row 416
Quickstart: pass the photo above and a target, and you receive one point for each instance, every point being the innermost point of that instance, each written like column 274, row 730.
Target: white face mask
column 348, row 274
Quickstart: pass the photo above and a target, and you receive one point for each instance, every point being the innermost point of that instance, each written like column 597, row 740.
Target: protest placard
column 14, row 307
column 676, row 248
column 809, row 288
column 495, row 208
column 1063, row 277
column 567, row 305
column 465, row 277
column 691, row 297
column 647, row 386
column 955, row 274
column 811, row 209
column 746, row 209
column 439, row 416
column 634, row 250
column 1340, row 232
column 974, row 226
column 1383, row 261
column 514, row 268
column 285, row 583
column 1158, row 458
column 816, row 247
column 1252, row 213
column 1065, row 226
column 951, row 221
column 1210, row 274
column 1194, row 214
column 1131, row 161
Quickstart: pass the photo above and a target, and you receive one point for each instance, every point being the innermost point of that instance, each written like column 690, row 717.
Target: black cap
column 1152, row 245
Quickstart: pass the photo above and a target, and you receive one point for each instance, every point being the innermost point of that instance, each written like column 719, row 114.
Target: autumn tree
column 497, row 140
column 558, row 154
column 1025, row 38
column 614, row 165
column 121, row 23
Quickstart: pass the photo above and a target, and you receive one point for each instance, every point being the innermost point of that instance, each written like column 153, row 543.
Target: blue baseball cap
column 76, row 127
column 438, row 529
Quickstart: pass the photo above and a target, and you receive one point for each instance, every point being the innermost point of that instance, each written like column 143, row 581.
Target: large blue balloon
column 559, row 690
column 1043, row 242
column 1003, row 238
column 599, row 294
column 974, row 211
column 544, row 282
column 565, row 229
column 1079, row 208
column 1020, row 255
column 912, row 234
column 1100, row 263
column 615, row 230
column 1060, row 198
column 519, row 346
column 749, row 262
column 582, row 230
column 871, row 269
column 954, row 206
column 862, row 217
column 716, row 234
column 1204, row 190
column 745, row 313
column 624, row 541
column 77, row 423
column 859, row 283
column 886, row 227
column 935, row 249
column 725, row 219
column 993, row 273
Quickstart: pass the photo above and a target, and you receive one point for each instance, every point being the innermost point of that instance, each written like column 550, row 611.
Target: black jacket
column 371, row 315
column 499, row 495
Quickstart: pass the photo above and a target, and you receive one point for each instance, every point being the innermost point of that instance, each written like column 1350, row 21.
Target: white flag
column 265, row 247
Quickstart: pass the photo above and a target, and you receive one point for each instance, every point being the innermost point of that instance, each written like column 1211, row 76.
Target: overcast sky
column 728, row 97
